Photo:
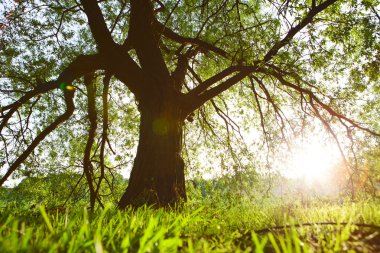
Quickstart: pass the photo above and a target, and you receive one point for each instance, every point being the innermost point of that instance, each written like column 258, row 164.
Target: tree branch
column 124, row 4
column 262, row 119
column 313, row 97
column 106, row 84
column 209, row 94
column 293, row 31
column 144, row 39
column 179, row 73
column 98, row 25
column 69, row 96
column 90, row 83
column 205, row 46
column 212, row 80
column 80, row 66
column 200, row 94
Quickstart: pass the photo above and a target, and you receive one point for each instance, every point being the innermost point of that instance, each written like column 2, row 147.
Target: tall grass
column 202, row 226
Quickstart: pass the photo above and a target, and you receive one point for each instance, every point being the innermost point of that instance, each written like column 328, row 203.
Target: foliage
column 55, row 192
column 50, row 191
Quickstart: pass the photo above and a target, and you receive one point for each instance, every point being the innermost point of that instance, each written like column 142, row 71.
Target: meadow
column 211, row 223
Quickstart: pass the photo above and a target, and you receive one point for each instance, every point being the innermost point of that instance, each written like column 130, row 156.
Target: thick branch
column 97, row 25
column 209, row 94
column 179, row 73
column 69, row 95
column 144, row 39
column 212, row 80
column 124, row 68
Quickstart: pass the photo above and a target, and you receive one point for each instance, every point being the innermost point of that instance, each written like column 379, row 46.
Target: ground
column 208, row 224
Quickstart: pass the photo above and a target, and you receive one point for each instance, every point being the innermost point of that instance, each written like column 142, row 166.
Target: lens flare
column 161, row 126
column 64, row 86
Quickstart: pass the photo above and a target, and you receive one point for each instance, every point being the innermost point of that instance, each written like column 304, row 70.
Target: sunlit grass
column 208, row 226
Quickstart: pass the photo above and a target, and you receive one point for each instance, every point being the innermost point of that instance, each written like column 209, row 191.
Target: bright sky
column 311, row 159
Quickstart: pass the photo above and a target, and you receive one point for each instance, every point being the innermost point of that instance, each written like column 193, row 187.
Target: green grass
column 202, row 226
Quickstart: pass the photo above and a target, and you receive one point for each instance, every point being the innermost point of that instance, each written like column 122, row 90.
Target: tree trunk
column 157, row 177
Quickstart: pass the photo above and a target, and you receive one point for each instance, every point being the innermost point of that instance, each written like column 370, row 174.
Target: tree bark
column 157, row 177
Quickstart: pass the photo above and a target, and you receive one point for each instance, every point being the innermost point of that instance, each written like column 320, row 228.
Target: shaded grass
column 202, row 226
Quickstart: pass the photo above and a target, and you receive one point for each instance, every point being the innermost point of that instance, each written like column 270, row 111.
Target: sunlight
column 311, row 160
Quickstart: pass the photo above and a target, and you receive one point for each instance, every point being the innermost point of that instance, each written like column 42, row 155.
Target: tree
column 175, row 56
column 52, row 191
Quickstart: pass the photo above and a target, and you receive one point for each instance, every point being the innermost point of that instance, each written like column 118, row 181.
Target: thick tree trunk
column 157, row 176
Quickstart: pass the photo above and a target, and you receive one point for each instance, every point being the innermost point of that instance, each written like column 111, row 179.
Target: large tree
column 175, row 56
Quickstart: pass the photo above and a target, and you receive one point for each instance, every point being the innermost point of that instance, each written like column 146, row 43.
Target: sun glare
column 311, row 160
